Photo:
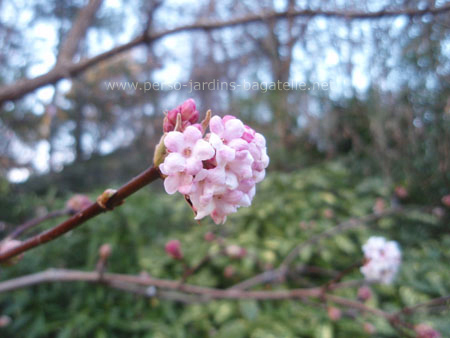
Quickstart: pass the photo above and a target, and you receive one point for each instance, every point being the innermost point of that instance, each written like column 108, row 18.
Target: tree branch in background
column 78, row 31
column 108, row 201
column 36, row 221
column 187, row 293
column 60, row 71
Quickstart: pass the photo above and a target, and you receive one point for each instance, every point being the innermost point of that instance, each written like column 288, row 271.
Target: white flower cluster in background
column 382, row 260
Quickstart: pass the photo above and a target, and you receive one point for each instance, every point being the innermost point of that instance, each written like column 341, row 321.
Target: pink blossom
column 446, row 200
column 426, row 331
column 364, row 293
column 334, row 313
column 383, row 259
column 218, row 172
column 189, row 116
column 186, row 151
column 173, row 249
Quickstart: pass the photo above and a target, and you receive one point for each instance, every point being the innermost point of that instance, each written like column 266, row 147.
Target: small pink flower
column 364, row 293
column 189, row 116
column 382, row 260
column 401, row 192
column 446, row 200
column 78, row 202
column 334, row 313
column 379, row 206
column 173, row 249
column 426, row 331
column 209, row 236
column 229, row 271
column 369, row 328
column 186, row 150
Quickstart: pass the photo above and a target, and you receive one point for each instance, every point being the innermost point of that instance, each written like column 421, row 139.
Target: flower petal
column 203, row 150
column 173, row 163
column 171, row 184
column 174, row 141
column 216, row 125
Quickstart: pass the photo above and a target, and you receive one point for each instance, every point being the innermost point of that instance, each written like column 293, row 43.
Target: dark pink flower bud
column 446, row 200
column 78, row 202
column 173, row 249
column 209, row 236
column 364, row 293
column 189, row 116
column 401, row 192
column 228, row 272
column 426, row 331
column 249, row 134
column 334, row 313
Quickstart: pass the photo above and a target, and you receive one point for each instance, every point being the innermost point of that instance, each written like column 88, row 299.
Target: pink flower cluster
column 383, row 259
column 217, row 171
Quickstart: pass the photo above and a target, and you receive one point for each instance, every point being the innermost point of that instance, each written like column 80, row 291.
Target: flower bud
column 328, row 213
column 379, row 206
column 334, row 313
column 438, row 212
column 209, row 236
column 235, row 251
column 188, row 112
column 104, row 251
column 364, row 293
column 426, row 331
column 369, row 328
column 7, row 245
column 173, row 249
column 401, row 192
column 228, row 272
column 5, row 321
column 446, row 200
column 77, row 203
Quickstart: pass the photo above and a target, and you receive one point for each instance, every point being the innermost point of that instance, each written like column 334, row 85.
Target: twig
column 78, row 31
column 190, row 271
column 60, row 71
column 36, row 221
column 81, row 217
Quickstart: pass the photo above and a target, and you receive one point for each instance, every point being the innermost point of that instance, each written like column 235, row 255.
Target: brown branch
column 81, row 217
column 78, row 31
column 206, row 293
column 147, row 286
column 36, row 221
column 60, row 71
column 445, row 300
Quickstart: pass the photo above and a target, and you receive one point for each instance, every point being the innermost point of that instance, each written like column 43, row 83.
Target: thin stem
column 81, row 217
column 36, row 221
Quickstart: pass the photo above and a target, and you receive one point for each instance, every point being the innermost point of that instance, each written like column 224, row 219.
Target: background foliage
column 289, row 208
